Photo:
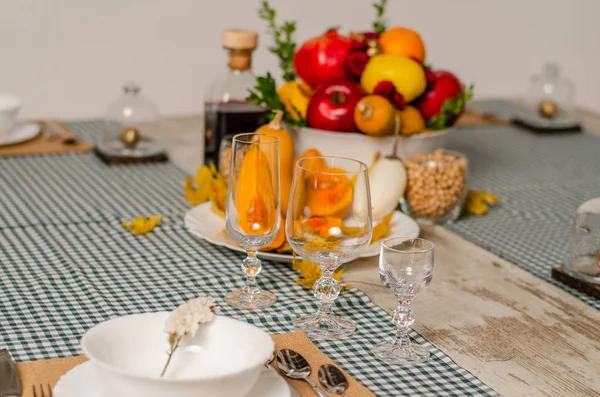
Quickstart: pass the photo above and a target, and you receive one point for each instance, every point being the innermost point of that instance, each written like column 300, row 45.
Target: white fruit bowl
column 223, row 359
column 363, row 147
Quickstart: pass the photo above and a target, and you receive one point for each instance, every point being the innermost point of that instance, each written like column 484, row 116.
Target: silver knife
column 10, row 386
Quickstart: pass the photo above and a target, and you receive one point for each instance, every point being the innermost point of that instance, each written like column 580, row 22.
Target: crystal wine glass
column 328, row 222
column 405, row 268
column 253, row 218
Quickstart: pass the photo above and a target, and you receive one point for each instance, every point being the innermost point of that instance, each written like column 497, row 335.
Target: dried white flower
column 184, row 321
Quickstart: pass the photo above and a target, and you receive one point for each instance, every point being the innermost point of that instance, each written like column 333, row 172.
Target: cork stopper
column 238, row 39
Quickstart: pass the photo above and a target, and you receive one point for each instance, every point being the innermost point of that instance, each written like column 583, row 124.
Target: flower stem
column 173, row 348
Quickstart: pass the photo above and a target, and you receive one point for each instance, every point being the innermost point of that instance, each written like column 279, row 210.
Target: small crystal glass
column 329, row 222
column 405, row 268
column 253, row 217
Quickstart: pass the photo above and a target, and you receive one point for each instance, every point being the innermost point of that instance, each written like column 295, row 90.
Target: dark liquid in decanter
column 224, row 120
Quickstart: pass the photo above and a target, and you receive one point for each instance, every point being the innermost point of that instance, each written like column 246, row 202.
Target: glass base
column 242, row 299
column 144, row 148
column 325, row 326
column 393, row 354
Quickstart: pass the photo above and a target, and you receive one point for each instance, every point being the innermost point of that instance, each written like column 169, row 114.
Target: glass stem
column 403, row 318
column 251, row 267
column 326, row 290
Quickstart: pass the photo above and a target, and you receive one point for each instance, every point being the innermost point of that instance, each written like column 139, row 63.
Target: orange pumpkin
column 286, row 157
column 255, row 196
column 329, row 193
column 313, row 164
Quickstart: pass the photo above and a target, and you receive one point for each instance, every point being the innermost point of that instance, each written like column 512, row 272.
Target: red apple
column 331, row 106
column 322, row 58
column 441, row 85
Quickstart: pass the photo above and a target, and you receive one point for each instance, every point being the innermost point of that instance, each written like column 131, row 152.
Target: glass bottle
column 226, row 110
column 550, row 86
column 129, row 123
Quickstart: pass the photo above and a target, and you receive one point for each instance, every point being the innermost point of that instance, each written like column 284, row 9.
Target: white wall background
column 68, row 58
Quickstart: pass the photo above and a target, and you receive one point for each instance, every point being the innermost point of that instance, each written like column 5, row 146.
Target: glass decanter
column 129, row 124
column 226, row 110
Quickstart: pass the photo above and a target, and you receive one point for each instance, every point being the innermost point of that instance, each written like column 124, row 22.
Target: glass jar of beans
column 436, row 186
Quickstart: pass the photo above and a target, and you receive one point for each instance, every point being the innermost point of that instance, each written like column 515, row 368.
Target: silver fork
column 42, row 393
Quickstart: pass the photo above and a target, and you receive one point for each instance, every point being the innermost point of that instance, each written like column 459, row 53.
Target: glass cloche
column 130, row 122
column 551, row 93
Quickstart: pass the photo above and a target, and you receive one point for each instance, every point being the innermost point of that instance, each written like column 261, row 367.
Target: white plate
column 203, row 223
column 20, row 133
column 83, row 381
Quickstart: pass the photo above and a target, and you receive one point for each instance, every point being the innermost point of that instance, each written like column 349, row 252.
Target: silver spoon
column 332, row 379
column 293, row 365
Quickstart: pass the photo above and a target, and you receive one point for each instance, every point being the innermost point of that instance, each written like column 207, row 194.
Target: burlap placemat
column 49, row 371
column 473, row 118
column 41, row 145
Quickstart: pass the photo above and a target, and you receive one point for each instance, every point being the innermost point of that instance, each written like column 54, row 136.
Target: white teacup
column 10, row 106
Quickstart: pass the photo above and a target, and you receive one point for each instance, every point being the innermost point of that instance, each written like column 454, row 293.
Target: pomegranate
column 322, row 58
column 331, row 106
column 442, row 85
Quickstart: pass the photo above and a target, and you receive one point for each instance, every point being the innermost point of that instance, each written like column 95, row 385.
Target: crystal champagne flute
column 253, row 218
column 328, row 222
column 405, row 268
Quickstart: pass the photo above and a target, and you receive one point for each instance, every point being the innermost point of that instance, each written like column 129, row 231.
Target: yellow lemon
column 407, row 75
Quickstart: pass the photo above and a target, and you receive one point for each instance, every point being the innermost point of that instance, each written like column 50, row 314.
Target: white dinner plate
column 82, row 381
column 20, row 133
column 203, row 223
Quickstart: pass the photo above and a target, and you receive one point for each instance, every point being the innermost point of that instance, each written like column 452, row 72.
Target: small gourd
column 255, row 196
column 286, row 157
column 329, row 193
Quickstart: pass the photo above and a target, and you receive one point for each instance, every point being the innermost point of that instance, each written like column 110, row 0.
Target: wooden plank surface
column 519, row 334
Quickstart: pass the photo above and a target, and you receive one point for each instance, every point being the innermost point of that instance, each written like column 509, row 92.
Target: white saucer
column 204, row 224
column 82, row 381
column 20, row 133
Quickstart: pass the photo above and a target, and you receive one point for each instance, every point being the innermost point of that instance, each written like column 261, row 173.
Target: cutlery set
column 289, row 362
column 294, row 366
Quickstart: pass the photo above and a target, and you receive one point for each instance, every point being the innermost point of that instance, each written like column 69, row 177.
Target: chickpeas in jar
column 436, row 185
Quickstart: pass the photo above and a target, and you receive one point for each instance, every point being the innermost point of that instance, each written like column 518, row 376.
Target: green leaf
column 451, row 109
column 379, row 23
column 264, row 93
column 284, row 47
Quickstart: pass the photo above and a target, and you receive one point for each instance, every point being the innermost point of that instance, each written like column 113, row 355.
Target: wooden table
column 519, row 334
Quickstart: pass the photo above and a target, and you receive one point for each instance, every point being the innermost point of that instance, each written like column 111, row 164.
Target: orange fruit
column 404, row 42
column 375, row 115
column 411, row 120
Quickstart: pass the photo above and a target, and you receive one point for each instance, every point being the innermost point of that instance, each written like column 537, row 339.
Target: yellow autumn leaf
column 142, row 225
column 380, row 230
column 311, row 272
column 479, row 201
column 207, row 184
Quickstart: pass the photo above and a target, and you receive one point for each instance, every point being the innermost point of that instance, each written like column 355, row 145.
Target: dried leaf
column 382, row 229
column 311, row 272
column 207, row 184
column 142, row 225
column 479, row 201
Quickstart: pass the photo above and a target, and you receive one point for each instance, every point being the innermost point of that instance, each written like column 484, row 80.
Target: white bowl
column 363, row 147
column 9, row 109
column 224, row 359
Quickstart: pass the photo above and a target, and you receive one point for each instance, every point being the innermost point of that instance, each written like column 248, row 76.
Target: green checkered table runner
column 66, row 264
column 541, row 180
